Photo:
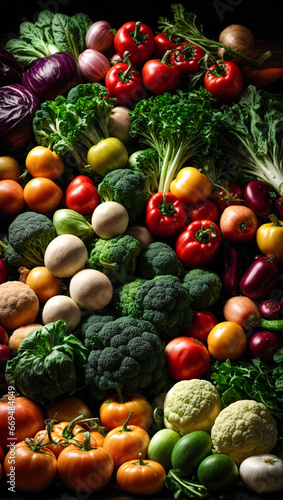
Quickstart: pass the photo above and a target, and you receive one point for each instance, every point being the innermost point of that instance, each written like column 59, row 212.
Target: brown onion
column 239, row 38
column 243, row 311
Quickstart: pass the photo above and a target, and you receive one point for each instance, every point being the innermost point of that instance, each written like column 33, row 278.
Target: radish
column 3, row 271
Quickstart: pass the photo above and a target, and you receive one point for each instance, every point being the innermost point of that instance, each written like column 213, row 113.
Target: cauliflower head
column 242, row 429
column 191, row 405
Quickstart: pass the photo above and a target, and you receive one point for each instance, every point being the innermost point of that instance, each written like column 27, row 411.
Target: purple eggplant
column 260, row 278
column 231, row 269
column 257, row 198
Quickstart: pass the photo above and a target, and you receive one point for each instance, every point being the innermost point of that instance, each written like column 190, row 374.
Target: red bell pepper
column 198, row 243
column 165, row 215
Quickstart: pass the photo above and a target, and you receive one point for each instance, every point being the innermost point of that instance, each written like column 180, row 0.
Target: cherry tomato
column 205, row 209
column 44, row 284
column 138, row 39
column 238, row 224
column 42, row 195
column 227, row 340
column 141, row 477
column 187, row 58
column 115, row 409
column 35, row 468
column 160, row 76
column 82, row 196
column 202, row 323
column 11, row 198
column 229, row 193
column 186, row 358
column 42, row 162
column 225, row 82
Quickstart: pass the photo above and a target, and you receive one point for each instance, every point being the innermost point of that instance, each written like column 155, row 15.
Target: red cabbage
column 17, row 110
column 53, row 75
column 10, row 69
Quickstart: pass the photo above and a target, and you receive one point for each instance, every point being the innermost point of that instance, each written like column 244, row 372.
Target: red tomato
column 225, row 83
column 187, row 58
column 229, row 193
column 161, row 45
column 202, row 323
column 11, row 198
column 136, row 38
column 198, row 243
column 238, row 224
column 205, row 209
column 124, row 83
column 42, row 195
column 187, row 358
column 82, row 195
column 160, row 77
column 28, row 418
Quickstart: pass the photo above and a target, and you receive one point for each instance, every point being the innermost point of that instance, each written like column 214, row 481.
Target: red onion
column 5, row 354
column 100, row 36
column 270, row 309
column 263, row 345
column 3, row 271
column 93, row 65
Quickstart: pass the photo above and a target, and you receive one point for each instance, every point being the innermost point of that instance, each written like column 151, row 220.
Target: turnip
column 109, row 219
column 91, row 289
column 62, row 307
column 65, row 255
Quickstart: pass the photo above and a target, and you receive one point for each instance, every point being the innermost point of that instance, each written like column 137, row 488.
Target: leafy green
column 251, row 133
column 184, row 487
column 251, row 379
column 48, row 363
column 179, row 128
column 73, row 126
column 49, row 34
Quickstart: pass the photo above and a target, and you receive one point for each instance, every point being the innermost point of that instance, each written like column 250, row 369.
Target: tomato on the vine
column 82, row 195
column 224, row 81
column 187, row 58
column 186, row 358
column 205, row 209
column 229, row 193
column 138, row 39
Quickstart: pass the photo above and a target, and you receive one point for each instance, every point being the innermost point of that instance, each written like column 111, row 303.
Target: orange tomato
column 227, row 340
column 67, row 409
column 35, row 468
column 9, row 168
column 115, row 409
column 125, row 442
column 42, row 162
column 44, row 284
column 141, row 477
column 85, row 469
column 11, row 198
column 42, row 195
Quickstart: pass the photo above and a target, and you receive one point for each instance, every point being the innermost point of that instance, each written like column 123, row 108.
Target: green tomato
column 107, row 155
column 217, row 472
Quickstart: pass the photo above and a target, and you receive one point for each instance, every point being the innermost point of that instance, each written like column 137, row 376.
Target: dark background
column 262, row 17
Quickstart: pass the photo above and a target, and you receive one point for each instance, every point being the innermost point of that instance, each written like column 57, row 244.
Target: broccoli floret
column 116, row 257
column 127, row 187
column 204, row 287
column 158, row 259
column 92, row 326
column 28, row 236
column 128, row 355
column 163, row 301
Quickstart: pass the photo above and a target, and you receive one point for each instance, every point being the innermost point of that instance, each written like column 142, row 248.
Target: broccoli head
column 116, row 257
column 162, row 300
column 158, row 259
column 92, row 325
column 127, row 187
column 204, row 287
column 28, row 236
column 128, row 354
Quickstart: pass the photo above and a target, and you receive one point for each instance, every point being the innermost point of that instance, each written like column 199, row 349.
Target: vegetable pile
column 141, row 252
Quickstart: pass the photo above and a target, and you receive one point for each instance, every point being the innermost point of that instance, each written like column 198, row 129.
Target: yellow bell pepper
column 269, row 238
column 191, row 186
